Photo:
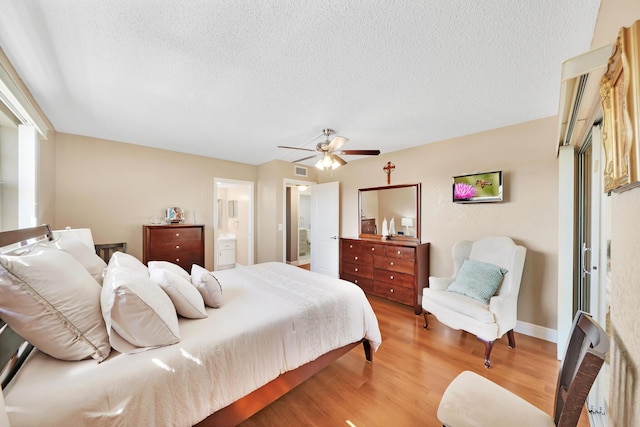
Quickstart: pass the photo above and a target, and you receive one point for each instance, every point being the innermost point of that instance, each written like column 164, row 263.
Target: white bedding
column 274, row 318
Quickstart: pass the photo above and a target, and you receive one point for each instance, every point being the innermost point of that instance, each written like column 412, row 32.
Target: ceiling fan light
column 335, row 164
column 327, row 161
column 319, row 165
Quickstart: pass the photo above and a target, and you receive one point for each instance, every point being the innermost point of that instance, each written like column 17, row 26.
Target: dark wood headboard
column 13, row 348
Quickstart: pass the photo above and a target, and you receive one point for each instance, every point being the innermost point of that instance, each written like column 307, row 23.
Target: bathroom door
column 325, row 223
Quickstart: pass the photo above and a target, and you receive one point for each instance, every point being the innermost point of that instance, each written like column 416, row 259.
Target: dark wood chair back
column 586, row 350
column 105, row 250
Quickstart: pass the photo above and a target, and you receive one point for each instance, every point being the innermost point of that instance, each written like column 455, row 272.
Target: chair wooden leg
column 512, row 339
column 426, row 320
column 488, row 346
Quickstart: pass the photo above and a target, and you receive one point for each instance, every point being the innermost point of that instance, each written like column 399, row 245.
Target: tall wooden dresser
column 393, row 269
column 181, row 244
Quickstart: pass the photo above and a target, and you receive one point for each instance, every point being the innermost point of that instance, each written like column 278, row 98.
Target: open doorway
column 297, row 230
column 233, row 221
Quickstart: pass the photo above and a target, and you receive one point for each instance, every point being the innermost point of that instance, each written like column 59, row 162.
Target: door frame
column 288, row 182
column 570, row 253
column 251, row 216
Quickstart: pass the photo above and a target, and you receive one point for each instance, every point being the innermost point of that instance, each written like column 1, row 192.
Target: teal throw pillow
column 478, row 280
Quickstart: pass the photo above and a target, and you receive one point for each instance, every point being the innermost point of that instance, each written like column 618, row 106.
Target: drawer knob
column 177, row 259
column 391, row 277
column 356, row 258
column 373, row 249
column 356, row 282
column 398, row 252
column 391, row 290
column 391, row 263
column 177, row 234
column 177, row 246
column 355, row 269
column 350, row 246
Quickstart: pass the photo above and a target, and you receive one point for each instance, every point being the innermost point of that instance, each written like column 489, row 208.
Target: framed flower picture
column 478, row 187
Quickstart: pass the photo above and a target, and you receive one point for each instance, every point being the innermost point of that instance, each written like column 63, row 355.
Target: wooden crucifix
column 388, row 168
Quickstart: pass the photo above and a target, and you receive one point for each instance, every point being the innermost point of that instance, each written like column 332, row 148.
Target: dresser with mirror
column 387, row 258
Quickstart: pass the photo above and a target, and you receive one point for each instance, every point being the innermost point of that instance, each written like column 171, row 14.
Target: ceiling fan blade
column 337, row 142
column 304, row 158
column 360, row 152
column 295, row 148
column 339, row 160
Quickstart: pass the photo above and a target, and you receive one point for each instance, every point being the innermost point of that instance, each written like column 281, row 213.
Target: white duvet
column 274, row 318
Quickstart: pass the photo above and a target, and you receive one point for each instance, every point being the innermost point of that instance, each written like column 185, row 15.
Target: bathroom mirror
column 233, row 209
column 398, row 202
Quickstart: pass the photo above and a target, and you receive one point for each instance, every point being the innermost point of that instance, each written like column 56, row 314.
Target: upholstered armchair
column 481, row 297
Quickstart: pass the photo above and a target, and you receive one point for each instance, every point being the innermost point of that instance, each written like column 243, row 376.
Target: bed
column 278, row 325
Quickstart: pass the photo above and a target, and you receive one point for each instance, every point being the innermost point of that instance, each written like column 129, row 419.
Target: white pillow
column 81, row 252
column 138, row 314
column 208, row 286
column 166, row 265
column 122, row 259
column 52, row 301
column 185, row 297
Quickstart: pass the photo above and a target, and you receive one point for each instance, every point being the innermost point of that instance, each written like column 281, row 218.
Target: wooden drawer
column 357, row 270
column 400, row 252
column 373, row 248
column 358, row 258
column 395, row 264
column 163, row 235
column 176, row 249
column 394, row 293
column 365, row 283
column 393, row 278
column 351, row 248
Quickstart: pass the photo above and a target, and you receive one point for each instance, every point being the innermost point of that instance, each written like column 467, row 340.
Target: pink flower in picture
column 463, row 191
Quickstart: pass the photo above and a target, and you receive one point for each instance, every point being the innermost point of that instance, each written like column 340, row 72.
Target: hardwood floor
column 409, row 373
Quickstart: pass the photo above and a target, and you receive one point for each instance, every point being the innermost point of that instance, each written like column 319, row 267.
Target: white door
column 325, row 224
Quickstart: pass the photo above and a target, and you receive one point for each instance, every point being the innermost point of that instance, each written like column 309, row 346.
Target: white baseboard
column 536, row 331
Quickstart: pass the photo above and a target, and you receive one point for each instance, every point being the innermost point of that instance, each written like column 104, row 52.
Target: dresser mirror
column 398, row 204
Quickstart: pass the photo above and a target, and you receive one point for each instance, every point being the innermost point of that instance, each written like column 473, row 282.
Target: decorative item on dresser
column 393, row 269
column 181, row 244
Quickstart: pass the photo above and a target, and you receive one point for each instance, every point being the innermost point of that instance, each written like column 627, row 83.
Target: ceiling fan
column 329, row 151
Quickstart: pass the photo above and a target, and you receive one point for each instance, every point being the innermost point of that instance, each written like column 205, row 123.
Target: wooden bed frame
column 14, row 350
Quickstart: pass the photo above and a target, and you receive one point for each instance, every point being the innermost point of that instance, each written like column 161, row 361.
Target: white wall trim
column 536, row 331
column 566, row 209
column 17, row 102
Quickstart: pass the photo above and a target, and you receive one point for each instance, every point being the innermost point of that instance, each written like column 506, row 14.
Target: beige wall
column 271, row 197
column 115, row 188
column 625, row 258
column 528, row 213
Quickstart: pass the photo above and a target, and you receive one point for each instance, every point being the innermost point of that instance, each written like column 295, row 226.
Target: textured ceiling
column 234, row 79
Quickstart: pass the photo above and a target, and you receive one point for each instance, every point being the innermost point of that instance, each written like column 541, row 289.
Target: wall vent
column 300, row 171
